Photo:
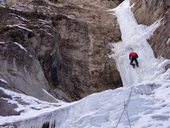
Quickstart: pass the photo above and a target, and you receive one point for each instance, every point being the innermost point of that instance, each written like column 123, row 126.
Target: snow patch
column 2, row 80
column 2, row 42
column 19, row 26
column 50, row 34
column 168, row 41
column 20, row 46
column 48, row 93
column 22, row 18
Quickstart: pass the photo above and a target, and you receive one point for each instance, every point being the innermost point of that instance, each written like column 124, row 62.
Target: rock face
column 86, row 32
column 148, row 12
column 20, row 67
column 61, row 48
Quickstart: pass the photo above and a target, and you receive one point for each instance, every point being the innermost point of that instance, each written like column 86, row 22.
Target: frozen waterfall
column 134, row 38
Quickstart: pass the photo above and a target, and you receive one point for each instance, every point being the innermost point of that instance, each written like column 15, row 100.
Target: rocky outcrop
column 21, row 49
column 148, row 12
column 61, row 47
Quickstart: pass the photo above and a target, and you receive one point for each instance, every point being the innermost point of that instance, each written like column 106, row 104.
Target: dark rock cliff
column 66, row 47
column 86, row 32
column 19, row 55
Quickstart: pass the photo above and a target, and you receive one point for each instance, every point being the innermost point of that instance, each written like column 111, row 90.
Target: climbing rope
column 125, row 109
column 128, row 117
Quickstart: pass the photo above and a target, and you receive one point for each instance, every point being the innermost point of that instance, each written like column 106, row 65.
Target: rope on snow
column 125, row 109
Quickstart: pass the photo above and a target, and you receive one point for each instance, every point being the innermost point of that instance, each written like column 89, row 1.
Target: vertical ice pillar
column 134, row 38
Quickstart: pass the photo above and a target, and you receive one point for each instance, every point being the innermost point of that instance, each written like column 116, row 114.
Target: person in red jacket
column 133, row 57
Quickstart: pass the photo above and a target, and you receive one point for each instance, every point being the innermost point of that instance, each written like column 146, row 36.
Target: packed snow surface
column 143, row 102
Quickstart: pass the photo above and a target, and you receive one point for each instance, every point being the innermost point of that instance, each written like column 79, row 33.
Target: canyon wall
column 65, row 51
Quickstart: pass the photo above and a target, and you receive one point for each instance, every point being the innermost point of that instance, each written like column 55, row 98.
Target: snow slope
column 148, row 107
column 143, row 102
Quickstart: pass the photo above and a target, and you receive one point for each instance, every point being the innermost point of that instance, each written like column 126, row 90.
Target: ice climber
column 133, row 57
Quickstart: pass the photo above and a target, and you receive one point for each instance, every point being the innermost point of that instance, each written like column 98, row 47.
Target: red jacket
column 133, row 54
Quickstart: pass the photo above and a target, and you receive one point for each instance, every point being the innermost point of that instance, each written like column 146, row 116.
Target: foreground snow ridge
column 145, row 95
column 149, row 107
